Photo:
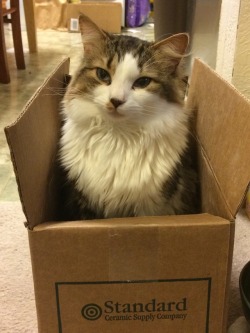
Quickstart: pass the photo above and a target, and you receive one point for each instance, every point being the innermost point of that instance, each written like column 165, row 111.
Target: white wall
column 227, row 38
column 214, row 32
column 241, row 74
column 205, row 29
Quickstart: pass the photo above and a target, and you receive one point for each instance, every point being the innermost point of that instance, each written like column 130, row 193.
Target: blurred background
column 219, row 34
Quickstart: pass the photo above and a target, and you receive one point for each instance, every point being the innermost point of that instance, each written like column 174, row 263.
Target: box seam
column 17, row 178
column 203, row 151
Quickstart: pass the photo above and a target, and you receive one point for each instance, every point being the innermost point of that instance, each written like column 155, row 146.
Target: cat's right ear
column 173, row 48
column 92, row 36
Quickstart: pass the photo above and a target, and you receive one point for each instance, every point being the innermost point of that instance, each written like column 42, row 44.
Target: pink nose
column 116, row 102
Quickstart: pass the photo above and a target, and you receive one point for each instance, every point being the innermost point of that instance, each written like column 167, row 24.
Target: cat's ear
column 92, row 36
column 174, row 47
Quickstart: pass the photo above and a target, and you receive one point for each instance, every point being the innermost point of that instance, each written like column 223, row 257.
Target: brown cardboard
column 222, row 126
column 128, row 261
column 149, row 274
column 107, row 15
column 33, row 143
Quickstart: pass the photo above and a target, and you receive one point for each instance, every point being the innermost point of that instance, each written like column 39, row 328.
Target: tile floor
column 52, row 47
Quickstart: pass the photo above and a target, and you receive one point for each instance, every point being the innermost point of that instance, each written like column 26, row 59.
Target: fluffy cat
column 125, row 137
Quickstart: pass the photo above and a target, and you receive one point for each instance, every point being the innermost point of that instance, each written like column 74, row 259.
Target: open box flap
column 33, row 141
column 223, row 131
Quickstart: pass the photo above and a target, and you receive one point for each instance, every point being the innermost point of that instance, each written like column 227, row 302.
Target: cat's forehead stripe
column 127, row 70
column 128, row 66
column 126, row 44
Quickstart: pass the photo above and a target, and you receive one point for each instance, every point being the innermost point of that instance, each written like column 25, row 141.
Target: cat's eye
column 103, row 75
column 142, row 82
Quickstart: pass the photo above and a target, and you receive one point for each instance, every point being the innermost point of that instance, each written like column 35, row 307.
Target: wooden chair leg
column 17, row 36
column 29, row 12
column 4, row 68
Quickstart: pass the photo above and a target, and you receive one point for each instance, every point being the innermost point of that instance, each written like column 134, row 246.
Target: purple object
column 137, row 12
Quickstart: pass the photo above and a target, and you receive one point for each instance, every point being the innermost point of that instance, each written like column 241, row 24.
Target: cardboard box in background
column 61, row 16
column 106, row 14
column 147, row 274
column 51, row 14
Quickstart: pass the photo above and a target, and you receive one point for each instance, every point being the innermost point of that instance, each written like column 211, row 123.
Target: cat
column 124, row 144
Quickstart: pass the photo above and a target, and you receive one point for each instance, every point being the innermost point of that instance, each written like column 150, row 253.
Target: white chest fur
column 120, row 169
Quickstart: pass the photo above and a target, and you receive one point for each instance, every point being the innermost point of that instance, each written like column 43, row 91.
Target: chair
column 10, row 15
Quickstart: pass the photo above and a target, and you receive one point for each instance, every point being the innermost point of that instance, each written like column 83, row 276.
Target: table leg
column 29, row 11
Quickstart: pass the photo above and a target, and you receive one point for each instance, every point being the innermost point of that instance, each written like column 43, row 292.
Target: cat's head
column 123, row 78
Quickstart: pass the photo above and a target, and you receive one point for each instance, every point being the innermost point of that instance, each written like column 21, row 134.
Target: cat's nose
column 116, row 102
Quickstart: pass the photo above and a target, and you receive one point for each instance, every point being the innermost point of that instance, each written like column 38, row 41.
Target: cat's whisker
column 150, row 109
column 56, row 91
column 72, row 93
column 59, row 81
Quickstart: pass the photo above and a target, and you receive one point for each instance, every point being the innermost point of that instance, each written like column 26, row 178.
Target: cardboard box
column 107, row 15
column 248, row 203
column 147, row 274
column 50, row 14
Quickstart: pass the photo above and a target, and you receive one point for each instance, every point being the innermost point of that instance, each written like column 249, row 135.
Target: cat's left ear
column 92, row 36
column 174, row 47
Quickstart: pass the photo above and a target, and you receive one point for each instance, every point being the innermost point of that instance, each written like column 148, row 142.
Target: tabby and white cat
column 125, row 138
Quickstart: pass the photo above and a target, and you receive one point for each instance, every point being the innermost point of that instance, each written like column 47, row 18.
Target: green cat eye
column 142, row 82
column 103, row 75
